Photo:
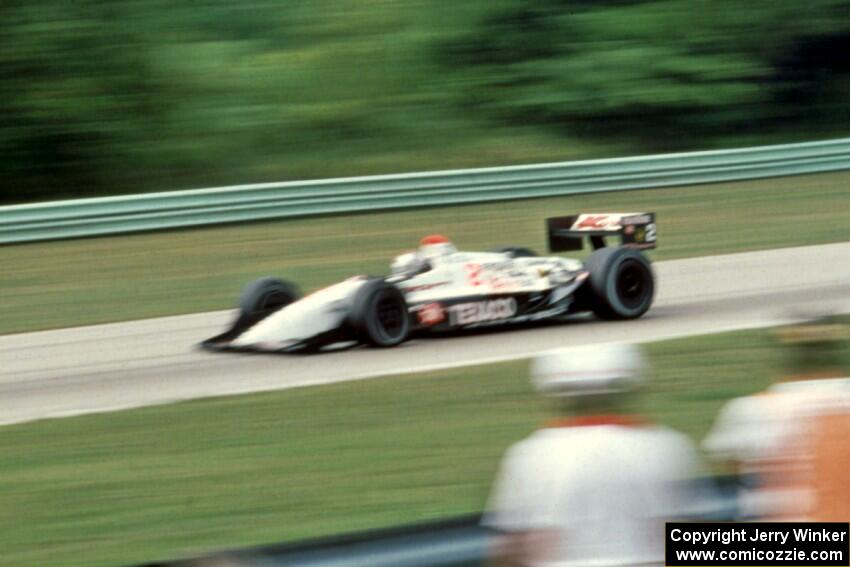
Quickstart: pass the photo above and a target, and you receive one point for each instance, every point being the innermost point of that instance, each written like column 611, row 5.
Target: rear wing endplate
column 635, row 230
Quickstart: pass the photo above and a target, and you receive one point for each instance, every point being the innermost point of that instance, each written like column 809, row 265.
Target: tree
column 669, row 74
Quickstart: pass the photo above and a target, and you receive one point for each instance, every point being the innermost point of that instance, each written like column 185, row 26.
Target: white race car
column 438, row 288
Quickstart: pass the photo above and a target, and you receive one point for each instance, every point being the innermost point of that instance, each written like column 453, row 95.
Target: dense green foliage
column 663, row 73
column 133, row 95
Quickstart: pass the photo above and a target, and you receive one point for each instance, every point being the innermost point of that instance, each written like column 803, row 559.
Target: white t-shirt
column 604, row 490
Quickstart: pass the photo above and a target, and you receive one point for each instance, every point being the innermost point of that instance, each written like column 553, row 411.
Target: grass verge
column 98, row 280
column 229, row 472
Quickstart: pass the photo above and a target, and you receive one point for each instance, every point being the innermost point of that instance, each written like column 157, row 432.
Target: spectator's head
column 592, row 377
column 815, row 348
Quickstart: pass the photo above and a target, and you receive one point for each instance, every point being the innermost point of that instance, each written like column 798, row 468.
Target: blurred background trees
column 665, row 74
column 141, row 95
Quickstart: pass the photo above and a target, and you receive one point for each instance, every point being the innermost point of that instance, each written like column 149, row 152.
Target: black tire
column 379, row 315
column 264, row 296
column 515, row 251
column 621, row 283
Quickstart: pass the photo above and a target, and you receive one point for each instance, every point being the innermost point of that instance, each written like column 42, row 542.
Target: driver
column 431, row 247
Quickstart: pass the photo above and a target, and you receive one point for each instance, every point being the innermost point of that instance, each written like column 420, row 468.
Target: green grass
column 238, row 471
column 117, row 278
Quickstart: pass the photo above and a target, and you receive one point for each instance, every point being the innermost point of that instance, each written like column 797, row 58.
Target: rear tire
column 621, row 283
column 379, row 315
column 515, row 251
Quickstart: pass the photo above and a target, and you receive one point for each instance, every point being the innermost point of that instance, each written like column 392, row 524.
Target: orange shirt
column 795, row 438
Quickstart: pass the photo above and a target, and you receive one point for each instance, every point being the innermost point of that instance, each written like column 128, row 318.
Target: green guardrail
column 455, row 542
column 156, row 211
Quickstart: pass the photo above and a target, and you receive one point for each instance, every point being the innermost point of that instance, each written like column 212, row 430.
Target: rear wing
column 635, row 230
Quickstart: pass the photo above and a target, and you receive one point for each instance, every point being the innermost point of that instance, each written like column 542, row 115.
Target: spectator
column 594, row 488
column 792, row 441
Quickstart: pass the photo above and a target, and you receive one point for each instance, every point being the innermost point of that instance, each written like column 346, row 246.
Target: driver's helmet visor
column 406, row 263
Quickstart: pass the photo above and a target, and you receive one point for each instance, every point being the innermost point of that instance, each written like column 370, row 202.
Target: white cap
column 588, row 370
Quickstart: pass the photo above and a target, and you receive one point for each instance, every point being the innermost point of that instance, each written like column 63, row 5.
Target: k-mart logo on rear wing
column 635, row 230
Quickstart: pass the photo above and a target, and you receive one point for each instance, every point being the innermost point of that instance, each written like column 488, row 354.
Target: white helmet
column 588, row 370
column 434, row 246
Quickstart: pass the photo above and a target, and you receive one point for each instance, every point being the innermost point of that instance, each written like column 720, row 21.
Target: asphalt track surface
column 123, row 365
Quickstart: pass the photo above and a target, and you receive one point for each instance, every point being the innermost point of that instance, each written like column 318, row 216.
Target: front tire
column 621, row 283
column 379, row 315
column 264, row 296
